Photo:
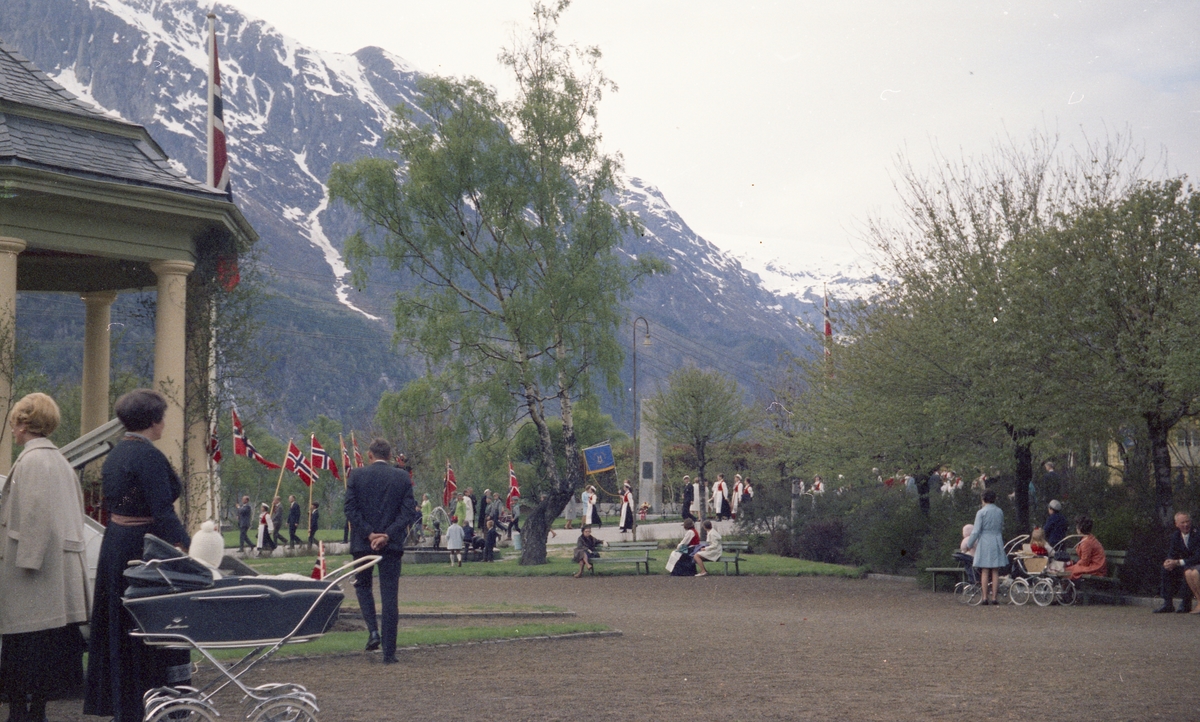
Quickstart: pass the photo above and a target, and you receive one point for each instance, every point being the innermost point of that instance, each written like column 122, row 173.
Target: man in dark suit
column 1183, row 554
column 244, row 513
column 314, row 521
column 293, row 520
column 380, row 508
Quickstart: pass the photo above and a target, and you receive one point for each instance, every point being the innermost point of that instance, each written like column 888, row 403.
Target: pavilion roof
column 45, row 127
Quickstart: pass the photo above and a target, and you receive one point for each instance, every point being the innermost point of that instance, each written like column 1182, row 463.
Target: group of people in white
column 721, row 500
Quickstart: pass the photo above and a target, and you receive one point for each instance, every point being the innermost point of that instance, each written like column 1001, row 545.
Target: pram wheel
column 1065, row 593
column 287, row 709
column 1043, row 592
column 1019, row 592
column 189, row 710
column 973, row 594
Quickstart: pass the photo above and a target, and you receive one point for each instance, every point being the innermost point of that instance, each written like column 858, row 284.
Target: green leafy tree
column 502, row 211
column 1131, row 269
column 698, row 408
column 427, row 425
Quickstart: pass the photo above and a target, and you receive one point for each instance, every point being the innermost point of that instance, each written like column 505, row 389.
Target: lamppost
column 637, row 453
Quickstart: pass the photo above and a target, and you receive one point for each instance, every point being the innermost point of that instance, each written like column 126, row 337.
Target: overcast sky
column 773, row 127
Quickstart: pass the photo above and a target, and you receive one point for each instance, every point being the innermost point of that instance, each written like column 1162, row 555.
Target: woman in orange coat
column 1091, row 555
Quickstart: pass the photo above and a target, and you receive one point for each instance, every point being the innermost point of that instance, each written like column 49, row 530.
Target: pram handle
column 352, row 567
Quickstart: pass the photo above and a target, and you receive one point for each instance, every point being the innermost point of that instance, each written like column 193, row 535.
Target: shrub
column 822, row 540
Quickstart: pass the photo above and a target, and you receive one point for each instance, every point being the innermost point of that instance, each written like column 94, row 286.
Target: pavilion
column 89, row 204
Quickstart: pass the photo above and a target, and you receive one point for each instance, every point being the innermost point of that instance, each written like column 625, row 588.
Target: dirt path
column 754, row 648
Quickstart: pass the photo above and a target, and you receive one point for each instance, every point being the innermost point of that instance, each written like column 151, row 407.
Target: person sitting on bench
column 585, row 549
column 1092, row 559
column 711, row 550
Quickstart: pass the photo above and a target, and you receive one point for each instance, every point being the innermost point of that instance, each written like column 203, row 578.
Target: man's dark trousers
column 244, row 538
column 292, row 533
column 389, row 596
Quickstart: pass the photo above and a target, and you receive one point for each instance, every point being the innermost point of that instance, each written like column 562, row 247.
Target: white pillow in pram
column 289, row 576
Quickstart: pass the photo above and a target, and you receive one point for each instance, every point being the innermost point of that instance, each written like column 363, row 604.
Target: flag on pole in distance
column 514, row 490
column 828, row 327
column 243, row 447
column 358, row 462
column 451, row 487
column 296, row 462
column 321, row 459
column 345, row 455
column 319, row 571
column 214, row 445
column 599, row 458
column 218, row 158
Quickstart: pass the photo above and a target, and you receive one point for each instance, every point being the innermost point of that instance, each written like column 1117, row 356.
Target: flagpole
column 283, row 468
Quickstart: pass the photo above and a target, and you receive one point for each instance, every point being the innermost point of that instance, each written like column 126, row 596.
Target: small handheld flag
column 514, row 490
column 318, row 571
column 243, row 447
column 599, row 458
column 297, row 463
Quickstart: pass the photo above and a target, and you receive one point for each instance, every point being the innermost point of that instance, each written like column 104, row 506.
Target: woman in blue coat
column 988, row 541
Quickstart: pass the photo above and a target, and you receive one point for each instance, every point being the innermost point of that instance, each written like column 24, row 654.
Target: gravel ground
column 757, row 648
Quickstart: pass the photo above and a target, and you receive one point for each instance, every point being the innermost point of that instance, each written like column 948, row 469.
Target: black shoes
column 373, row 642
column 1166, row 608
column 1184, row 608
column 390, row 660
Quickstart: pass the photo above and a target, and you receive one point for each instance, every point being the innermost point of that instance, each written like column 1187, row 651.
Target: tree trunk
column 702, row 463
column 536, row 531
column 1023, row 457
column 1023, row 461
column 1158, row 429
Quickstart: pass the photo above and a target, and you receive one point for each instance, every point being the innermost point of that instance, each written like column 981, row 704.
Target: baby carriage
column 1046, row 582
column 176, row 602
column 1014, row 586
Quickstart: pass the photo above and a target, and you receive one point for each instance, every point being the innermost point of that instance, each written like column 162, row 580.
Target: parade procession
column 577, row 360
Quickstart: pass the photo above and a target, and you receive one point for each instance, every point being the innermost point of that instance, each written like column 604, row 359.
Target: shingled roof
column 43, row 126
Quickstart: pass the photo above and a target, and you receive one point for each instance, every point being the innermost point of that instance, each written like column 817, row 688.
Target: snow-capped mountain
column 291, row 112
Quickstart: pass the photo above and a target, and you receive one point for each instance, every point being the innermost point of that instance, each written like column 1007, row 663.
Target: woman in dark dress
column 140, row 489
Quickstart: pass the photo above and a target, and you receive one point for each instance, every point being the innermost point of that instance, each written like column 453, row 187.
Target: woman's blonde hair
column 37, row 412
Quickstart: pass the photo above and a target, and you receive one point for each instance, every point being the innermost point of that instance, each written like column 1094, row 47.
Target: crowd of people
column 270, row 524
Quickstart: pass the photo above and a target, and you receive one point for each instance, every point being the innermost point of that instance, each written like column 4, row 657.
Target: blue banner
column 599, row 458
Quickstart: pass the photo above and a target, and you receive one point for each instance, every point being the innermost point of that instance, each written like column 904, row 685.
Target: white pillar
column 170, row 341
column 649, row 468
column 97, row 359
column 9, row 249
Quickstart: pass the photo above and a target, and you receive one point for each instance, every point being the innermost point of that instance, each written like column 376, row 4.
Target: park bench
column 737, row 548
column 1108, row 587
column 636, row 553
column 959, row 572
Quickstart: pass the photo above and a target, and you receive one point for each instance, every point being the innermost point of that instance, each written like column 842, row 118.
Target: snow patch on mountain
column 70, row 81
column 316, row 235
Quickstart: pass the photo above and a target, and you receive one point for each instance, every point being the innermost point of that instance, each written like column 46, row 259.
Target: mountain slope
column 291, row 112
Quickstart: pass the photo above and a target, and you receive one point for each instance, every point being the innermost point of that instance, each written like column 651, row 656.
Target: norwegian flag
column 214, row 445
column 514, row 491
column 322, row 460
column 319, row 570
column 297, row 463
column 218, row 160
column 451, row 487
column 828, row 326
column 345, row 456
column 243, row 447
column 358, row 462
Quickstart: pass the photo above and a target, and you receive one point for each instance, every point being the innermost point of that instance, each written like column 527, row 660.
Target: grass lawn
column 343, row 642
column 559, row 564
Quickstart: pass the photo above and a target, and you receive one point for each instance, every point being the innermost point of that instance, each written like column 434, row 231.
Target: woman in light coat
column 43, row 577
column 987, row 538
